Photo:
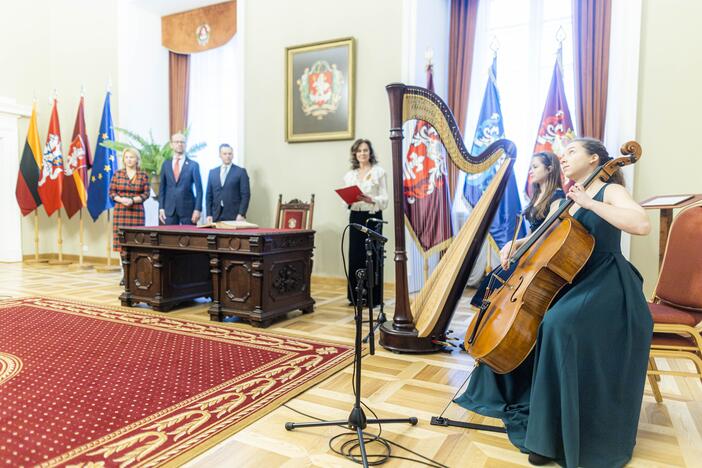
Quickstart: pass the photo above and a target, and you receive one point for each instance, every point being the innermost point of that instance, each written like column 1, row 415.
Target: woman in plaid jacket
column 129, row 189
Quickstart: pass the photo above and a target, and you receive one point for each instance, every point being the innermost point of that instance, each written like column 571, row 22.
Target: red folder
column 349, row 194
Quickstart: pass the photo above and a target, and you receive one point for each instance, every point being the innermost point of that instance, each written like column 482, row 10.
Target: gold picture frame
column 319, row 91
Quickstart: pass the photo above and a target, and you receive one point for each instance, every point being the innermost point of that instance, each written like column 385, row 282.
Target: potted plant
column 152, row 154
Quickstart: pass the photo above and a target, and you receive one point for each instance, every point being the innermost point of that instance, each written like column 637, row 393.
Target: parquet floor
column 394, row 385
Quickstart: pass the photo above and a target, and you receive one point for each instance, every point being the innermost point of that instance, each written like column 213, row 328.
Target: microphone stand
column 357, row 419
column 377, row 278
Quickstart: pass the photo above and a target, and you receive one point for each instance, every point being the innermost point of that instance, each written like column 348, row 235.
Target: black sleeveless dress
column 577, row 397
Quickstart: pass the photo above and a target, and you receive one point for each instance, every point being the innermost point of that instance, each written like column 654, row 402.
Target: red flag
column 556, row 128
column 50, row 180
column 425, row 186
column 26, row 190
column 73, row 194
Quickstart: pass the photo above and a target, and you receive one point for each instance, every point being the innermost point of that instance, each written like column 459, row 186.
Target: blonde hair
column 135, row 152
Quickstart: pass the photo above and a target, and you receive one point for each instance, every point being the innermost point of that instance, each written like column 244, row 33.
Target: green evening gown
column 577, row 397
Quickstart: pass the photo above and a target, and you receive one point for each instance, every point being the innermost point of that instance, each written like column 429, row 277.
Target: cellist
column 576, row 398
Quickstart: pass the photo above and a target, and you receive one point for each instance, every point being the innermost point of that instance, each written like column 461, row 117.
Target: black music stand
column 357, row 419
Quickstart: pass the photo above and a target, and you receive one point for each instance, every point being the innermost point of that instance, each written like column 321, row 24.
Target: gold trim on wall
column 199, row 29
column 290, row 81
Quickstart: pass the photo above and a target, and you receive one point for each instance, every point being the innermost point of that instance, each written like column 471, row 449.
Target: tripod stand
column 357, row 419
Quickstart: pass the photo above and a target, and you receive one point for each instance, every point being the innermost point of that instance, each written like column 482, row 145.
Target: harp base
column 401, row 341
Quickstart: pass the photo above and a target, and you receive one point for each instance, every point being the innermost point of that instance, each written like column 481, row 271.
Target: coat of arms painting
column 320, row 91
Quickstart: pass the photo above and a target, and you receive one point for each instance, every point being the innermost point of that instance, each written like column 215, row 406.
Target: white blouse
column 374, row 184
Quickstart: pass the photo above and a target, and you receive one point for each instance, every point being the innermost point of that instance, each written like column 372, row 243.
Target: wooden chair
column 294, row 214
column 676, row 306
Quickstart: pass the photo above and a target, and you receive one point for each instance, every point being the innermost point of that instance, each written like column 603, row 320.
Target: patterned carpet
column 87, row 384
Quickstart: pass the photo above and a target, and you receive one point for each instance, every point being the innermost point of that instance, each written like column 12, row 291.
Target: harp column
column 403, row 315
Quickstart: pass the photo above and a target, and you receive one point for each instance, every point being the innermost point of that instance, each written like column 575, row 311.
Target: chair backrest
column 680, row 278
column 294, row 214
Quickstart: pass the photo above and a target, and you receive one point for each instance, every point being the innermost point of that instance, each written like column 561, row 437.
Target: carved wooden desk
column 254, row 274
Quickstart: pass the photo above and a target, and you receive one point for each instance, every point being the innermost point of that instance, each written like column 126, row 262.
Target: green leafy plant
column 153, row 154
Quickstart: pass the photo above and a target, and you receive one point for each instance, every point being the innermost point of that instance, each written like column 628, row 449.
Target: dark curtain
column 178, row 91
column 591, row 28
column 464, row 14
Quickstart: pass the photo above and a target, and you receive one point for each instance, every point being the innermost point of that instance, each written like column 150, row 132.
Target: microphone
column 369, row 232
column 376, row 220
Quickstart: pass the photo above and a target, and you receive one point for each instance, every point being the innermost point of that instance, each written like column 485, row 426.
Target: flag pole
column 60, row 237
column 108, row 267
column 60, row 260
column 81, row 265
column 36, row 258
column 36, row 236
column 82, row 239
column 109, row 241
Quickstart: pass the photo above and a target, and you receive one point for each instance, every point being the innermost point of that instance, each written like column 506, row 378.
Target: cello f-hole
column 512, row 298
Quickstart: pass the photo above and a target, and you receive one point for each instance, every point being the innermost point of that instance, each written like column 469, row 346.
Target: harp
column 419, row 325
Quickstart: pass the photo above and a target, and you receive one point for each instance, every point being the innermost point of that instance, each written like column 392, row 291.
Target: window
column 215, row 106
column 525, row 35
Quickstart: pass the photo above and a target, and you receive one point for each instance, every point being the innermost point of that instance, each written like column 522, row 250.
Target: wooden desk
column 667, row 219
column 254, row 274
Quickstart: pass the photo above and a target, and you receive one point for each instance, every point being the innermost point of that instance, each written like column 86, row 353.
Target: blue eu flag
column 490, row 129
column 104, row 166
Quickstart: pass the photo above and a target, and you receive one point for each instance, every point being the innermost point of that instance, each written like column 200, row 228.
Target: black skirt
column 357, row 256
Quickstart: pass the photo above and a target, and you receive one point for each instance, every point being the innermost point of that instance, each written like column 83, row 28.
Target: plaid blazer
column 133, row 215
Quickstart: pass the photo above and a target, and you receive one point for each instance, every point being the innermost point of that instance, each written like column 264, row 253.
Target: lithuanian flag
column 30, row 165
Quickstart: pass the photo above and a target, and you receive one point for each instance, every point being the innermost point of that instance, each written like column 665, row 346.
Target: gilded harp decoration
column 419, row 325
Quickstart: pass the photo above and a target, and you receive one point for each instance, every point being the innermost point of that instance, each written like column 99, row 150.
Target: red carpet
column 85, row 384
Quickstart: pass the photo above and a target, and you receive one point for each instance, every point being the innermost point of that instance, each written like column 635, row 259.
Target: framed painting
column 319, row 91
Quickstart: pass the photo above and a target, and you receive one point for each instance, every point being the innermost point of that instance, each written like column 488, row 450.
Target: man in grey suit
column 228, row 191
column 176, row 201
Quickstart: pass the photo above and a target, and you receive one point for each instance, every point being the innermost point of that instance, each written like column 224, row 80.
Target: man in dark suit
column 176, row 202
column 227, row 189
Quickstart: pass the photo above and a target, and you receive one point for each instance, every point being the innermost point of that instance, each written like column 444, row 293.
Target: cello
column 503, row 332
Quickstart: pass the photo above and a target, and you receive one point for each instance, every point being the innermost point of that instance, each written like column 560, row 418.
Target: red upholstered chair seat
column 663, row 313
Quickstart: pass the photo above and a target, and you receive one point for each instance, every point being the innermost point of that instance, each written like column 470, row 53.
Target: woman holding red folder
column 371, row 179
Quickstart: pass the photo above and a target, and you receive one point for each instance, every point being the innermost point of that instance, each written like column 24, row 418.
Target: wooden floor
column 394, row 385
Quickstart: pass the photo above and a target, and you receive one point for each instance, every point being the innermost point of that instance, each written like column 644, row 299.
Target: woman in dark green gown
column 576, row 399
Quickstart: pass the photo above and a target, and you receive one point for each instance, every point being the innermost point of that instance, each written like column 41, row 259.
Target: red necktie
column 176, row 169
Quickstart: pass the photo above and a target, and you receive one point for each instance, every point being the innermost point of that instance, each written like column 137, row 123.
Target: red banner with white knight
column 425, row 187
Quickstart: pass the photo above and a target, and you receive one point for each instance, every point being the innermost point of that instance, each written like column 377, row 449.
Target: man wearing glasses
column 177, row 202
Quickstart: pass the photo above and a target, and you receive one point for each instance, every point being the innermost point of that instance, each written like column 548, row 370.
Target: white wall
column 297, row 170
column 670, row 97
column 143, row 79
column 89, row 45
column 47, row 47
